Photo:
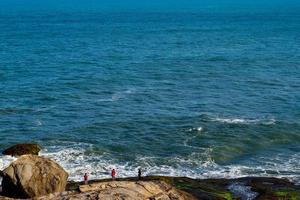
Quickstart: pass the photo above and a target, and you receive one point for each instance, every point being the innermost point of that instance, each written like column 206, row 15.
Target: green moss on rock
column 288, row 195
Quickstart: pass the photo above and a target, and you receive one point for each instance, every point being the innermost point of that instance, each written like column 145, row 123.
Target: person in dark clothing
column 85, row 178
column 140, row 174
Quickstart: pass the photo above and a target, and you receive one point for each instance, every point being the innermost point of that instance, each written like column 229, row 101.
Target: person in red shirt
column 113, row 174
column 85, row 178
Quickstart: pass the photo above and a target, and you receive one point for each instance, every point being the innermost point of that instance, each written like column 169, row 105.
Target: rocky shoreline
column 35, row 177
column 247, row 188
column 178, row 188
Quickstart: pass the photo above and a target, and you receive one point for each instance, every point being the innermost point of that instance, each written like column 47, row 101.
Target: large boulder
column 22, row 149
column 33, row 176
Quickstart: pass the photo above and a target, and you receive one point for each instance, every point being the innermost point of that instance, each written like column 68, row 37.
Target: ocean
column 197, row 94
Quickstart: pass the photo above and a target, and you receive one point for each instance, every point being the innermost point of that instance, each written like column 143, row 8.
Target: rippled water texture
column 187, row 94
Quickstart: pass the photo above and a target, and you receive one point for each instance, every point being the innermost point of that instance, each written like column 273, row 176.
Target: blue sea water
column 198, row 94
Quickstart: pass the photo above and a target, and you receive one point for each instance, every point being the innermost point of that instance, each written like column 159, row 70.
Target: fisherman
column 113, row 174
column 139, row 174
column 85, row 178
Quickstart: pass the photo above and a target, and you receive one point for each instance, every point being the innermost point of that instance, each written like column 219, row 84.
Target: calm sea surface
column 184, row 94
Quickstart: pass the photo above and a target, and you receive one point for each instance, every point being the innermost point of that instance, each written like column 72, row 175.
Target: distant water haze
column 189, row 88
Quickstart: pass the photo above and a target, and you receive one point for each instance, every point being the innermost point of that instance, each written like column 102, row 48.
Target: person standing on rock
column 113, row 174
column 139, row 174
column 86, row 178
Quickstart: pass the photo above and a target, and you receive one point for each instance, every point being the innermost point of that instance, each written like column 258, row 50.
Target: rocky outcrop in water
column 33, row 176
column 248, row 188
column 22, row 149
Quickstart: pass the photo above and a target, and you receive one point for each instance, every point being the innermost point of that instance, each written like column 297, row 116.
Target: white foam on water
column 77, row 159
column 38, row 123
column 270, row 122
column 199, row 129
column 196, row 165
column 118, row 95
column 188, row 139
column 244, row 121
column 42, row 109
column 76, row 162
column 104, row 100
column 5, row 162
column 242, row 191
column 130, row 91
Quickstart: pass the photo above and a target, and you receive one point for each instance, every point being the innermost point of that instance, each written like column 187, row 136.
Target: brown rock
column 129, row 190
column 22, row 149
column 32, row 176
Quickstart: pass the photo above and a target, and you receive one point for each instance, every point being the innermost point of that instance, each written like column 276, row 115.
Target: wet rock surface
column 242, row 190
column 22, row 149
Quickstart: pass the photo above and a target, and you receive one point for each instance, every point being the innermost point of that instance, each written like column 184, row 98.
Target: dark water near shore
column 187, row 94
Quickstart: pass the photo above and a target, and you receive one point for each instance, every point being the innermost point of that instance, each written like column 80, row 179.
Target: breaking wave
column 78, row 159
